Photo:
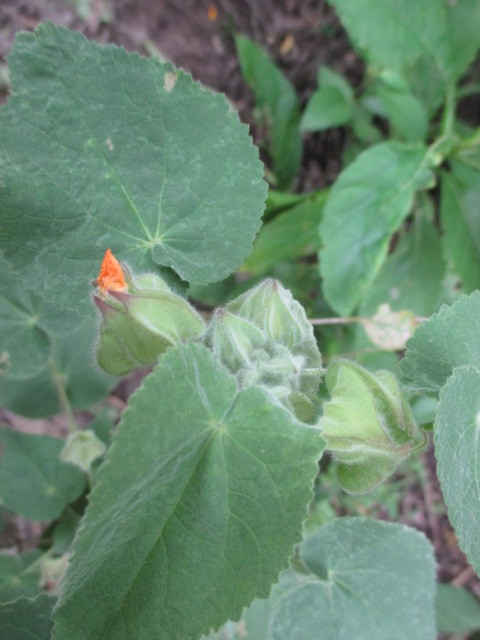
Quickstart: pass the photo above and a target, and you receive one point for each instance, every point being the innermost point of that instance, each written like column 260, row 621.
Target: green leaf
column 460, row 218
column 412, row 276
column 278, row 201
column 367, row 203
column 391, row 34
column 408, row 116
column 367, row 579
column 291, row 234
column 64, row 532
column 73, row 364
column 410, row 280
column 276, row 97
column 196, row 509
column 102, row 148
column 456, row 609
column 449, row 339
column 463, row 26
column 33, row 481
column 27, row 619
column 433, row 40
column 331, row 105
column 457, row 449
column 16, row 580
column 26, row 326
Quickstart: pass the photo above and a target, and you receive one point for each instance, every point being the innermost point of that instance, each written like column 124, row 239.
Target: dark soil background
column 300, row 35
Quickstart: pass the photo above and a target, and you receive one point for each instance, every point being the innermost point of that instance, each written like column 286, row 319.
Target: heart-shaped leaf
column 102, row 148
column 366, row 579
column 196, row 510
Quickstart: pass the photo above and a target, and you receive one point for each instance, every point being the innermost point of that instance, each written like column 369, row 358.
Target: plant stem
column 448, row 117
column 327, row 321
column 352, row 320
column 62, row 394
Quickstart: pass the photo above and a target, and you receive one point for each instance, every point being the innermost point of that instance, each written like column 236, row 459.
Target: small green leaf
column 33, row 481
column 391, row 34
column 64, row 532
column 457, row 610
column 331, row 105
column 16, row 580
column 408, row 116
column 457, row 449
column 26, row 326
column 412, row 276
column 27, row 619
column 367, row 203
column 367, row 580
column 278, row 201
column 460, row 218
column 411, row 279
column 434, row 41
column 102, row 148
column 275, row 96
column 73, row 360
column 449, row 339
column 291, row 234
column 196, row 509
column 463, row 25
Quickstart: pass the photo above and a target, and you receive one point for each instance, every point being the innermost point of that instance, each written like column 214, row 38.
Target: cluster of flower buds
column 141, row 318
column 264, row 338
column 368, row 425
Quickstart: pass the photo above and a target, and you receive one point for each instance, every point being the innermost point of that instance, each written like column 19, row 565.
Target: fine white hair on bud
column 265, row 338
column 368, row 425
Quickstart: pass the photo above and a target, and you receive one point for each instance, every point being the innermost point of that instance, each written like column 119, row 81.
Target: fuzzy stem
column 62, row 395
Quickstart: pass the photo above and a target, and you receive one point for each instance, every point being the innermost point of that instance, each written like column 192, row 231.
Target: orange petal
column 111, row 276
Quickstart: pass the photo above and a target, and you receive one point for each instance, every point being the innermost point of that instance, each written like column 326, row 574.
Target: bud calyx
column 264, row 338
column 141, row 320
column 368, row 425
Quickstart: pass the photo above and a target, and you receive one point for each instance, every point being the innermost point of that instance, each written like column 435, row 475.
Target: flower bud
column 264, row 338
column 141, row 320
column 368, row 425
column 272, row 309
column 235, row 339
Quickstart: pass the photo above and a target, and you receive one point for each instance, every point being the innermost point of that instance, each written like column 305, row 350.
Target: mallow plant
column 124, row 185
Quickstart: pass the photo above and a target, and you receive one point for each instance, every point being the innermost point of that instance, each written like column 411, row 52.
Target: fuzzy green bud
column 368, row 425
column 264, row 338
column 141, row 322
column 235, row 338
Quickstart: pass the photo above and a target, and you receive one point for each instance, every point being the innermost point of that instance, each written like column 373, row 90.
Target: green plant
column 198, row 499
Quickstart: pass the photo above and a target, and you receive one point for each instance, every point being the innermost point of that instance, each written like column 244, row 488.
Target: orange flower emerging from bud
column 212, row 13
column 111, row 276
